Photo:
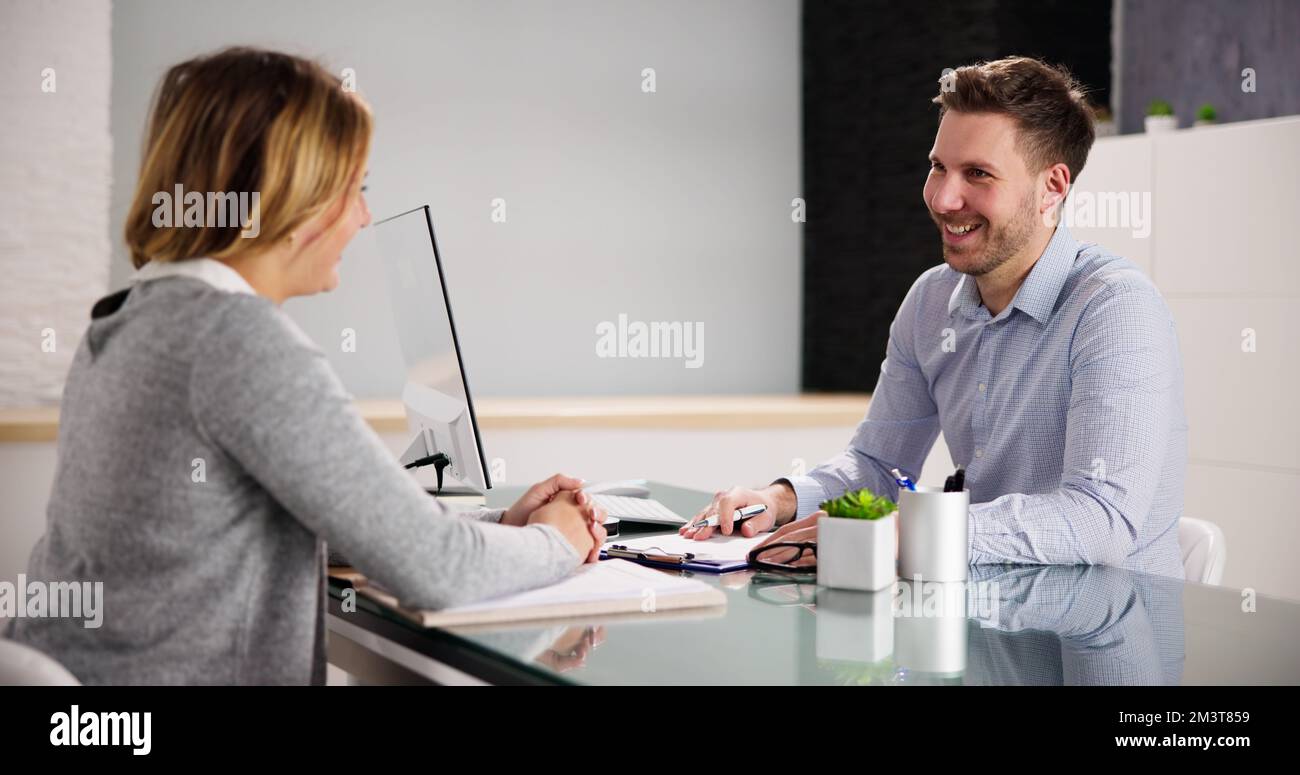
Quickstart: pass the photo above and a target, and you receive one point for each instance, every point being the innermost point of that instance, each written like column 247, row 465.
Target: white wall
column 669, row 206
column 55, row 154
column 1222, row 250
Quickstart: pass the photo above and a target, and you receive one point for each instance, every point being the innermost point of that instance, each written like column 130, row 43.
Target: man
column 1051, row 366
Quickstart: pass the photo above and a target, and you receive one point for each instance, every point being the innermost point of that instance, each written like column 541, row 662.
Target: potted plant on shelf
column 1103, row 122
column 1206, row 115
column 857, row 542
column 1160, row 117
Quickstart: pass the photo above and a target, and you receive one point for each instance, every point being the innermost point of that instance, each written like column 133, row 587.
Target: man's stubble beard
column 1001, row 245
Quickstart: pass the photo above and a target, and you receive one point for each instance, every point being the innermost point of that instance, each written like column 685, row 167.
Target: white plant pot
column 856, row 553
column 1158, row 124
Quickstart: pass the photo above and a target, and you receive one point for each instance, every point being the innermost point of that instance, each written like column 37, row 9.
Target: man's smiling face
column 980, row 192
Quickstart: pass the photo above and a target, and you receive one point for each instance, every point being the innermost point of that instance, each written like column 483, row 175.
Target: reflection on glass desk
column 1038, row 625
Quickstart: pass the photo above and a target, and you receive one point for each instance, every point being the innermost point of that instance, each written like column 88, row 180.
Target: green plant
column 1206, row 113
column 862, row 504
column 1160, row 108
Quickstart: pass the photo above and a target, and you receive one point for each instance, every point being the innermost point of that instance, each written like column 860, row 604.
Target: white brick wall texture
column 56, row 167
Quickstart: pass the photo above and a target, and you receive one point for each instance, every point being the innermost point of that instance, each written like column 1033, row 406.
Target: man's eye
column 936, row 166
column 977, row 173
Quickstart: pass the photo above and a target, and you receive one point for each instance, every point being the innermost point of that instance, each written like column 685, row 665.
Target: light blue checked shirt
column 1066, row 409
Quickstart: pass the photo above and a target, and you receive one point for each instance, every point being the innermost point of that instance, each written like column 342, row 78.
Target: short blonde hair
column 245, row 121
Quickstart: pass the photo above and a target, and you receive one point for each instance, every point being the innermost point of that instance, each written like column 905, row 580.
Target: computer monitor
column 439, row 411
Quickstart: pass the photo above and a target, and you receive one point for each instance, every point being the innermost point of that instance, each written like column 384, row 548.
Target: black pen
column 956, row 482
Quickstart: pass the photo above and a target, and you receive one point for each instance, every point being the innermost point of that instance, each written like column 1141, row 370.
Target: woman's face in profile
column 325, row 237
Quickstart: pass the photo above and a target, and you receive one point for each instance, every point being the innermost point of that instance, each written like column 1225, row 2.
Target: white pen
column 740, row 516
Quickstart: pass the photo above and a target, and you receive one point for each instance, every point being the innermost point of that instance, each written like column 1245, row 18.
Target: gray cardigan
column 219, row 578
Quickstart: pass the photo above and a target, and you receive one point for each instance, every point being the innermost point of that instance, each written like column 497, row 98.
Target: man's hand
column 797, row 531
column 804, row 530
column 778, row 498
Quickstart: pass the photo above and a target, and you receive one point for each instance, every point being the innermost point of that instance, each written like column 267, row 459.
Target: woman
column 206, row 449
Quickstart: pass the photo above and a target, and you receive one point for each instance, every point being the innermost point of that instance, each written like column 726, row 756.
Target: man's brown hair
column 1047, row 104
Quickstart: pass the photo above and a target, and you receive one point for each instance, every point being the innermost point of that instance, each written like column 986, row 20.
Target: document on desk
column 609, row 587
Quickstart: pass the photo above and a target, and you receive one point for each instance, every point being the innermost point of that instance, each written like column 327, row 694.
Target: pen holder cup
column 932, row 534
column 856, row 553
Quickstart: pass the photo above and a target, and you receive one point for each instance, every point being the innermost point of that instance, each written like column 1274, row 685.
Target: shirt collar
column 215, row 273
column 1037, row 295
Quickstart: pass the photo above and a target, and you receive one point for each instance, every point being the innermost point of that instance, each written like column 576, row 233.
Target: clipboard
column 656, row 557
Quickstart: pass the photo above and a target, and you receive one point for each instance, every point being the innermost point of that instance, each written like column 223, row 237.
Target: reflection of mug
column 930, row 626
column 932, row 539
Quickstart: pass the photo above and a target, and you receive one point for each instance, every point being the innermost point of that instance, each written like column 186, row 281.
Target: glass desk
column 1074, row 625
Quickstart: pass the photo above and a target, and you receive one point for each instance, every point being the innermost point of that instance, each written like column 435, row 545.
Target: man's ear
column 1055, row 187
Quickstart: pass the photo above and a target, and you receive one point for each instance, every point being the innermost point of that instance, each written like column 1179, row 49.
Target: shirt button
column 981, row 387
column 979, row 453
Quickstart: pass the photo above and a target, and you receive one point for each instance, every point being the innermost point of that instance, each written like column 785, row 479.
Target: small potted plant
column 857, row 542
column 1103, row 122
column 1206, row 115
column 1160, row 117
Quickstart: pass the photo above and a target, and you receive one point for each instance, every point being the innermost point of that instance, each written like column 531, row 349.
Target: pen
column 956, row 482
column 902, row 479
column 740, row 516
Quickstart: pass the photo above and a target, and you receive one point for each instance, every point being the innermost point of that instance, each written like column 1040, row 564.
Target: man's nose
column 948, row 197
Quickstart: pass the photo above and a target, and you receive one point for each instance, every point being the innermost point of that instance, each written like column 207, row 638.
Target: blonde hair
column 245, row 121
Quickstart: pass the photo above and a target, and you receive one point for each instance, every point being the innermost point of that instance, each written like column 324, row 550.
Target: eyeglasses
column 786, row 557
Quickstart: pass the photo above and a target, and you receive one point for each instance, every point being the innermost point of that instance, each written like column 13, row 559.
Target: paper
column 606, row 580
column 610, row 586
column 733, row 547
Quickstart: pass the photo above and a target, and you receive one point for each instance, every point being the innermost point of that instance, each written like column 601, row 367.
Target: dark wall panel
column 1190, row 52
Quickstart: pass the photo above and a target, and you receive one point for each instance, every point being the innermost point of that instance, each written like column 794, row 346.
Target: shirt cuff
column 808, row 492
column 973, row 556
